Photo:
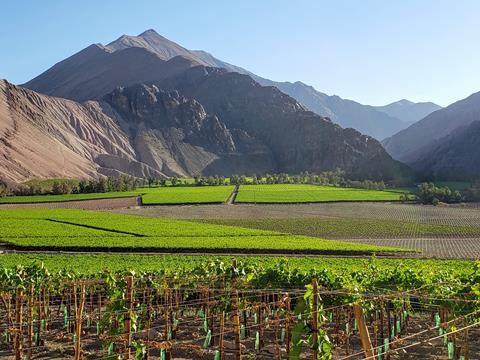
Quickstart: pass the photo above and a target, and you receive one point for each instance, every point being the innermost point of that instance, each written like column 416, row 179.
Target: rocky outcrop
column 298, row 139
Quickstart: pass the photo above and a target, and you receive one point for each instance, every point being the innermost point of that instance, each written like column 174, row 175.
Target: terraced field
column 293, row 193
column 84, row 230
column 187, row 195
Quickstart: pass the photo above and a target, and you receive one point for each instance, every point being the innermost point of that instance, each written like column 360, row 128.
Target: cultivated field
column 83, row 230
column 437, row 232
column 187, row 195
column 345, row 228
column 216, row 309
column 68, row 197
column 302, row 193
column 202, row 306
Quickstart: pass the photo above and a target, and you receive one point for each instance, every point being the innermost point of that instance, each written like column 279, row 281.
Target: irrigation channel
column 230, row 316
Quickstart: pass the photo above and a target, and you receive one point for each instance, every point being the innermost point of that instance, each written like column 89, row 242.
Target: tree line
column 430, row 194
column 66, row 186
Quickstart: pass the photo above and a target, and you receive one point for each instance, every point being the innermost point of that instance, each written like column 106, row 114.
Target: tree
column 56, row 188
column 150, row 181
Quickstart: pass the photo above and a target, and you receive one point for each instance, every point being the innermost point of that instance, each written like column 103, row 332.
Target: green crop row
column 95, row 263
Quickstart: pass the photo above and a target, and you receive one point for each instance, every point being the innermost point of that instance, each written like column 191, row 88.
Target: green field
column 187, row 195
column 150, row 196
column 76, row 229
column 68, row 197
column 93, row 264
column 344, row 228
column 293, row 193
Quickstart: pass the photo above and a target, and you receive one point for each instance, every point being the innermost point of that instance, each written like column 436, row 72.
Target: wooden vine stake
column 236, row 326
column 315, row 319
column 30, row 320
column 364, row 335
column 222, row 329
column 18, row 323
column 78, row 317
column 287, row 323
column 236, row 317
column 128, row 316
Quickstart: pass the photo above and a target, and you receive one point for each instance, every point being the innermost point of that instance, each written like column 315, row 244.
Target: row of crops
column 221, row 310
column 277, row 193
column 85, row 230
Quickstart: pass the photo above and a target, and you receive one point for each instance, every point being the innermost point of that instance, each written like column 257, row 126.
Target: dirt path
column 233, row 195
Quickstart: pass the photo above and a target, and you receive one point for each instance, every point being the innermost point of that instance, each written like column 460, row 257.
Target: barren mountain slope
column 144, row 132
column 96, row 70
column 44, row 136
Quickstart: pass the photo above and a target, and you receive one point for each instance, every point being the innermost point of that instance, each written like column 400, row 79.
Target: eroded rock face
column 299, row 140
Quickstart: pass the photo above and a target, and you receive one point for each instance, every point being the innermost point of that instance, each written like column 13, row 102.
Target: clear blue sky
column 371, row 51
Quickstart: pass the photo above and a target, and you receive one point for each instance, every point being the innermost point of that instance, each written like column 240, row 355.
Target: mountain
column 346, row 113
column 300, row 140
column 454, row 157
column 49, row 137
column 412, row 143
column 201, row 121
column 407, row 111
column 98, row 69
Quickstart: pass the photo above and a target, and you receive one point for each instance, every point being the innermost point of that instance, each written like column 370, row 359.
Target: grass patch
column 293, row 193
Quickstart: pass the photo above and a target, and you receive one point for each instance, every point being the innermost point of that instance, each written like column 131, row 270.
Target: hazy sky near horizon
column 371, row 51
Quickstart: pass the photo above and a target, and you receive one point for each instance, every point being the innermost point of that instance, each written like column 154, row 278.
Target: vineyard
column 31, row 199
column 221, row 310
column 171, row 195
column 290, row 193
column 65, row 229
column 186, row 195
column 338, row 228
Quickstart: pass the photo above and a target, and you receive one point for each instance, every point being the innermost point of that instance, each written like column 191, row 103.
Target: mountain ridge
column 408, row 144
column 347, row 113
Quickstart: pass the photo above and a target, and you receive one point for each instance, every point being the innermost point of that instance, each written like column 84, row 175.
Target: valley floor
column 451, row 232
